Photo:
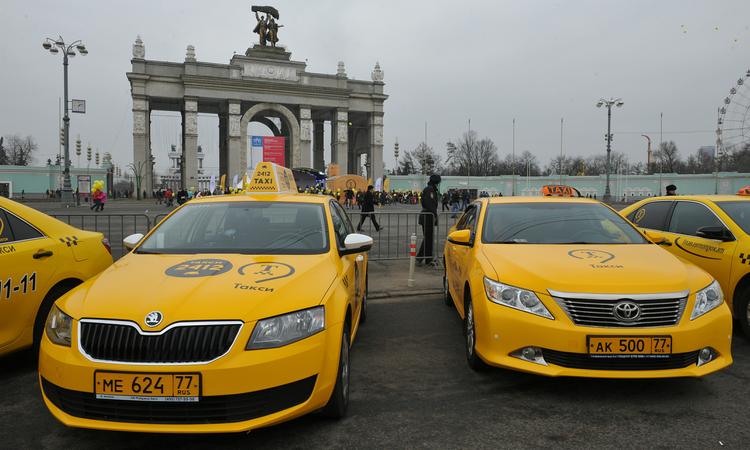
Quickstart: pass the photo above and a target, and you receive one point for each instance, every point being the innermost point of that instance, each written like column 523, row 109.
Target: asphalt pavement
column 411, row 388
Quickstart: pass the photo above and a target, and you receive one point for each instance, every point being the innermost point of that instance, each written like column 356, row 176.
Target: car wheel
column 742, row 308
column 475, row 363
column 446, row 293
column 339, row 401
column 363, row 312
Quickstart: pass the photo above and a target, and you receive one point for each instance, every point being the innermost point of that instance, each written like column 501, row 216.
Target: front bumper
column 241, row 391
column 501, row 331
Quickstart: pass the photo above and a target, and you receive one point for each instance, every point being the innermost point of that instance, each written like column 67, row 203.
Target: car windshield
column 556, row 223
column 241, row 227
column 739, row 212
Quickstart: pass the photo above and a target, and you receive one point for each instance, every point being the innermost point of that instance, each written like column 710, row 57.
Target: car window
column 340, row 228
column 688, row 217
column 739, row 212
column 652, row 215
column 556, row 223
column 344, row 216
column 20, row 230
column 468, row 219
column 241, row 227
column 6, row 235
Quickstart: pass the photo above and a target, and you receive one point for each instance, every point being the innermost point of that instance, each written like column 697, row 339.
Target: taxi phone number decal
column 26, row 284
column 199, row 268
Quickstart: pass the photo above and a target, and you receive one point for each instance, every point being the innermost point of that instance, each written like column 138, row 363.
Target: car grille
column 210, row 409
column 180, row 344
column 585, row 361
column 597, row 312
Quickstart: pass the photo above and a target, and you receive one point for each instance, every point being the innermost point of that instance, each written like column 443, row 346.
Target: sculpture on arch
column 266, row 27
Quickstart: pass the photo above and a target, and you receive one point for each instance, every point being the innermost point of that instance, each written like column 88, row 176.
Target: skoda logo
column 626, row 311
column 153, row 318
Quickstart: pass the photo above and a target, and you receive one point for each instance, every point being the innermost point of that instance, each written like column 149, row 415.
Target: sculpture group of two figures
column 267, row 28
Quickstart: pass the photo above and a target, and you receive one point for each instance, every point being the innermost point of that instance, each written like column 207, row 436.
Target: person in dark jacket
column 368, row 208
column 428, row 218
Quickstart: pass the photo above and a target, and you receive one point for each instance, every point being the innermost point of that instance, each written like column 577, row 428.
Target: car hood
column 203, row 287
column 613, row 269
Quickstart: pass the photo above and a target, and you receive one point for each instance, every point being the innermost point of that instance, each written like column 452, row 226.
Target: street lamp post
column 608, row 104
column 54, row 46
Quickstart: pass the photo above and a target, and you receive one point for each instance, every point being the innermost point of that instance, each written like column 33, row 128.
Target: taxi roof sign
column 559, row 190
column 273, row 179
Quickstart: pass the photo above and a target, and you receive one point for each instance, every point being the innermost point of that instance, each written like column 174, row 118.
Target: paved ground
column 411, row 388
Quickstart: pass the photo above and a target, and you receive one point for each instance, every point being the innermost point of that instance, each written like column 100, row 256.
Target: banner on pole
column 273, row 150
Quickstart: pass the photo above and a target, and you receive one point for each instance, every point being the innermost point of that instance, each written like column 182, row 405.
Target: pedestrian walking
column 428, row 219
column 368, row 209
column 445, row 200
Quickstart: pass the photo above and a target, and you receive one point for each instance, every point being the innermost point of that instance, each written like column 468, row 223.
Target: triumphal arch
column 263, row 84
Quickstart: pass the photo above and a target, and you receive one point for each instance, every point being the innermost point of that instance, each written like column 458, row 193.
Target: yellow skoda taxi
column 41, row 258
column 710, row 231
column 566, row 287
column 236, row 312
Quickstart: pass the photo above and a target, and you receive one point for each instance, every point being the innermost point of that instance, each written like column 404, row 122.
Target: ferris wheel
column 733, row 130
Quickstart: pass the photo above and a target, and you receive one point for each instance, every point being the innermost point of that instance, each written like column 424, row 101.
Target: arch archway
column 286, row 116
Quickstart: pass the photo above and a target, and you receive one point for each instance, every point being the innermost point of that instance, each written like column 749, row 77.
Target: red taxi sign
column 744, row 191
column 559, row 190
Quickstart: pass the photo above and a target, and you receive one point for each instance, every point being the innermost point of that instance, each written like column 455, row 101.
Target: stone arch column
column 286, row 115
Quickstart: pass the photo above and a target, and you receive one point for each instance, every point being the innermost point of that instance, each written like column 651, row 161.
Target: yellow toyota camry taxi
column 234, row 313
column 710, row 231
column 41, row 258
column 566, row 287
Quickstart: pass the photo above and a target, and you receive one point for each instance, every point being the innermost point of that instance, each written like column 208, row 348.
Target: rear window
column 556, row 223
column 739, row 212
column 242, row 227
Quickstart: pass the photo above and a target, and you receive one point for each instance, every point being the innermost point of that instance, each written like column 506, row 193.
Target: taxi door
column 459, row 260
column 713, row 256
column 27, row 263
column 353, row 265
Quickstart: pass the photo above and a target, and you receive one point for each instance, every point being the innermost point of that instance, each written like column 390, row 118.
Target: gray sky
column 536, row 61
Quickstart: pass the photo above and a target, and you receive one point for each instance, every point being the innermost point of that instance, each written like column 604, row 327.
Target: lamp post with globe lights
column 56, row 46
column 608, row 104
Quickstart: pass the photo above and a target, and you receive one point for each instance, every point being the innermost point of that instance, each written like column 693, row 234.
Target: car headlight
column 516, row 298
column 59, row 326
column 282, row 330
column 707, row 299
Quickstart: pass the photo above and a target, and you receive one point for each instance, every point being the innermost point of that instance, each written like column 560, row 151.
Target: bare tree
column 528, row 164
column 470, row 155
column 137, row 169
column 19, row 150
column 426, row 160
column 3, row 155
column 669, row 157
column 406, row 165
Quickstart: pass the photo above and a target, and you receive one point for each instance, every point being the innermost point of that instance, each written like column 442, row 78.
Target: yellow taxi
column 710, row 231
column 41, row 258
column 235, row 312
column 566, row 287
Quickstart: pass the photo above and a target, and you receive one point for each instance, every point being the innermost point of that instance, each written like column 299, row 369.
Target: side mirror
column 717, row 233
column 657, row 238
column 356, row 243
column 131, row 241
column 460, row 237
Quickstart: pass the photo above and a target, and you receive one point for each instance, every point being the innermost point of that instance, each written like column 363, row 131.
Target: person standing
column 671, row 189
column 368, row 209
column 428, row 219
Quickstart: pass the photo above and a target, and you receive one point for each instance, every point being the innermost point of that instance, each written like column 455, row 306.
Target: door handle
column 42, row 254
column 666, row 243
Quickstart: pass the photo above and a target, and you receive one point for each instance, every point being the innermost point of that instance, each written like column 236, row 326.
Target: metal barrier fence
column 392, row 242
column 115, row 227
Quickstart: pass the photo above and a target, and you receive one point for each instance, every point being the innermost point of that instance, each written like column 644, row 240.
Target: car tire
column 475, row 362
column 447, row 298
column 44, row 309
column 339, row 401
column 742, row 309
column 363, row 312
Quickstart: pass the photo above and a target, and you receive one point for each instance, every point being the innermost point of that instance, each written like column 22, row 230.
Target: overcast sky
column 444, row 62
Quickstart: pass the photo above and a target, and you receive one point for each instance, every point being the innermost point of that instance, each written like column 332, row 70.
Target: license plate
column 148, row 387
column 625, row 346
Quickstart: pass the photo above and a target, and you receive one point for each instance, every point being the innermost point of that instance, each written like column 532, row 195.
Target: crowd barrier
column 390, row 243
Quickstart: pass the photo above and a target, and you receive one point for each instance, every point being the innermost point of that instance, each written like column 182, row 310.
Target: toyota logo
column 626, row 311
column 153, row 318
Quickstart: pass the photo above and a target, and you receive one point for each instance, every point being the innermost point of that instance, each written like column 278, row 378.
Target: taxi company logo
column 626, row 311
column 597, row 256
column 153, row 318
column 266, row 271
column 639, row 215
column 195, row 268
